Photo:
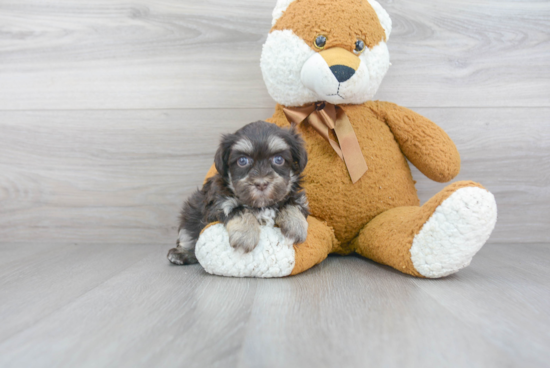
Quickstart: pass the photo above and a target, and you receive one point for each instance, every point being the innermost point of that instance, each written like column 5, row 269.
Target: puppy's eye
column 278, row 160
column 243, row 161
column 359, row 47
column 320, row 42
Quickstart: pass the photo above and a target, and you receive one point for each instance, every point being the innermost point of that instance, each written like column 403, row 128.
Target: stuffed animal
column 323, row 61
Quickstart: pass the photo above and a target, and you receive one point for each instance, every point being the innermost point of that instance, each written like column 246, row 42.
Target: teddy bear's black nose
column 342, row 72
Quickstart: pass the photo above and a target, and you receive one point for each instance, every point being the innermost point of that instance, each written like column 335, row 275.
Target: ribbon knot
column 325, row 117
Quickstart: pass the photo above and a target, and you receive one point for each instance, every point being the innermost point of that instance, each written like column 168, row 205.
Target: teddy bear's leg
column 319, row 243
column 274, row 256
column 436, row 239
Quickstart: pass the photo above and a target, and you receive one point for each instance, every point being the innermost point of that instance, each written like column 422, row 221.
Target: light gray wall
column 110, row 110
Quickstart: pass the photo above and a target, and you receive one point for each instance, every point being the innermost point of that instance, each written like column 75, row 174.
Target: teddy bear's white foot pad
column 273, row 256
column 454, row 233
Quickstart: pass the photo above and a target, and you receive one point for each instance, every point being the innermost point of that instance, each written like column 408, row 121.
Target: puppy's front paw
column 293, row 224
column 244, row 232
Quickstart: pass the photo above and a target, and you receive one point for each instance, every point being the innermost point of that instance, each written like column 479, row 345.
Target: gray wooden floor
column 110, row 112
column 124, row 306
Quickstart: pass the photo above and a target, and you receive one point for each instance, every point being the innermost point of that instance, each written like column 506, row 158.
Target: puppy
column 258, row 183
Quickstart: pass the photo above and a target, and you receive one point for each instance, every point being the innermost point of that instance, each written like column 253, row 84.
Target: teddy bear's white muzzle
column 335, row 85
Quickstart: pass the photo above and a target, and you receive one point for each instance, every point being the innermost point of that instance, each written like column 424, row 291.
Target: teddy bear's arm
column 425, row 144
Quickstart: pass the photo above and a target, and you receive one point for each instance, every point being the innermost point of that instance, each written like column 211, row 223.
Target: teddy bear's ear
column 280, row 9
column 383, row 17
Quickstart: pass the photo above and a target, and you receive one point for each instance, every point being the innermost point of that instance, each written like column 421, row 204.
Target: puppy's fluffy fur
column 258, row 182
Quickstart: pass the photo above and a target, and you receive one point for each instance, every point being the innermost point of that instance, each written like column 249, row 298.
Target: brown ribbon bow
column 324, row 117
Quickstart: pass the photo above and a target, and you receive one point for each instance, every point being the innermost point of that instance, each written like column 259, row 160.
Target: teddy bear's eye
column 359, row 47
column 320, row 42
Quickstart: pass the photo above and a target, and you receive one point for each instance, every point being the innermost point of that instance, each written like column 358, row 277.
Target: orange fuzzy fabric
column 425, row 144
column 388, row 238
column 319, row 243
column 342, row 22
column 211, row 172
column 388, row 183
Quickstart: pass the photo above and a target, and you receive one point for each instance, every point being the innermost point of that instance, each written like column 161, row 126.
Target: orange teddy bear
column 323, row 62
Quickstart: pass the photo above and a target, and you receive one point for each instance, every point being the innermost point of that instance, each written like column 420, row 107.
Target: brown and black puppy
column 258, row 183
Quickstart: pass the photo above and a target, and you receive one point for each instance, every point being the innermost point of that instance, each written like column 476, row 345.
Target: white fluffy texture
column 454, row 233
column 283, row 57
column 276, row 144
column 273, row 256
column 184, row 240
column 296, row 75
column 266, row 217
column 228, row 205
column 377, row 62
column 244, row 145
column 280, row 8
column 383, row 16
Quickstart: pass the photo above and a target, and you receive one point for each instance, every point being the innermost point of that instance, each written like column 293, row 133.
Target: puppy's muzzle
column 342, row 63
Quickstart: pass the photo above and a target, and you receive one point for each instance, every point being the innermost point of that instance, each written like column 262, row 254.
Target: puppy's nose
column 342, row 72
column 261, row 184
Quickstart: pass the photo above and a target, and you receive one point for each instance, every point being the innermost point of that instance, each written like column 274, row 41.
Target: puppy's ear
column 222, row 154
column 299, row 153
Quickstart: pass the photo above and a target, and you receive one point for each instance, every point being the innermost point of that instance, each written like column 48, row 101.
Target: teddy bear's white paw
column 454, row 233
column 273, row 256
